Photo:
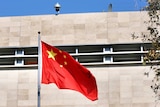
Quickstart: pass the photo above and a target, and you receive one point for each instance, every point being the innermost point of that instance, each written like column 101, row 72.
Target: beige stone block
column 80, row 39
column 84, row 101
column 3, row 98
column 46, row 27
column 14, row 44
column 98, row 76
column 23, row 79
column 34, row 40
column 66, row 19
column 15, row 19
column 25, row 29
column 125, row 100
column 12, row 103
column 148, row 92
column 23, row 85
column 3, row 85
column 56, row 30
column 14, row 34
column 89, row 28
column 101, row 36
column 4, row 34
column 123, row 17
column 4, row 38
column 5, row 24
column 3, row 75
column 112, row 14
column 120, row 105
column 103, row 105
column 112, row 20
column 125, row 86
column 69, row 38
column 24, row 41
column 103, row 97
column 114, row 97
column 137, row 91
column 4, row 94
column 137, row 16
column 123, row 24
column 23, row 92
column 103, row 87
column 26, row 33
column 114, row 38
column 113, row 25
column 57, row 42
column 68, row 29
column 101, row 41
column 12, row 85
column 36, row 25
column 12, row 94
column 33, row 75
column 114, row 75
column 22, row 97
column 136, row 24
column 15, row 23
column 143, row 105
column 79, row 27
column 126, row 94
column 3, row 103
column 25, row 25
column 101, row 27
column 32, row 95
column 124, row 31
column 143, row 99
column 4, row 29
column 114, row 86
column 51, row 87
column 28, row 103
column 5, row 19
column 40, row 17
column 15, row 29
column 79, row 19
column 13, row 40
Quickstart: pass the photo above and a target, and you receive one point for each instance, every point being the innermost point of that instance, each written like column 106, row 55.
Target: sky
column 44, row 7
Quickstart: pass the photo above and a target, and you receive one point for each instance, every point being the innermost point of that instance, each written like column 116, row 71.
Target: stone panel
column 101, row 28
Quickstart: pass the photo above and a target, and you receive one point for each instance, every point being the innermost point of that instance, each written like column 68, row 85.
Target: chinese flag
column 60, row 68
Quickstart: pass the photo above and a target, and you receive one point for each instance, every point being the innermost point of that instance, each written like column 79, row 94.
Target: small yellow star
column 51, row 54
column 64, row 56
column 65, row 63
column 60, row 51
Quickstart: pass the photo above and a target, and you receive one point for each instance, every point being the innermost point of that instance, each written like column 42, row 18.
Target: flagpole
column 39, row 70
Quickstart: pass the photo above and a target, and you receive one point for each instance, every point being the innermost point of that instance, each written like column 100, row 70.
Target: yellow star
column 64, row 56
column 51, row 54
column 65, row 63
column 60, row 51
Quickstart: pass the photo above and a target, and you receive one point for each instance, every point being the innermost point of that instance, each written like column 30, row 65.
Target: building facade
column 100, row 41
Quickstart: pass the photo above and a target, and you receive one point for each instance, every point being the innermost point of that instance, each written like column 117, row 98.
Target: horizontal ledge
column 18, row 66
column 18, row 56
column 84, row 64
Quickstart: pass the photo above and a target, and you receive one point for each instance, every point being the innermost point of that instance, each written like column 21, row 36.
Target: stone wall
column 117, row 87
column 63, row 29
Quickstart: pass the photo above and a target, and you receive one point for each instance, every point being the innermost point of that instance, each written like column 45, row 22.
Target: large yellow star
column 51, row 54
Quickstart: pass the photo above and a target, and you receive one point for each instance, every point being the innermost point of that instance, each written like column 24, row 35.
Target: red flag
column 60, row 68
